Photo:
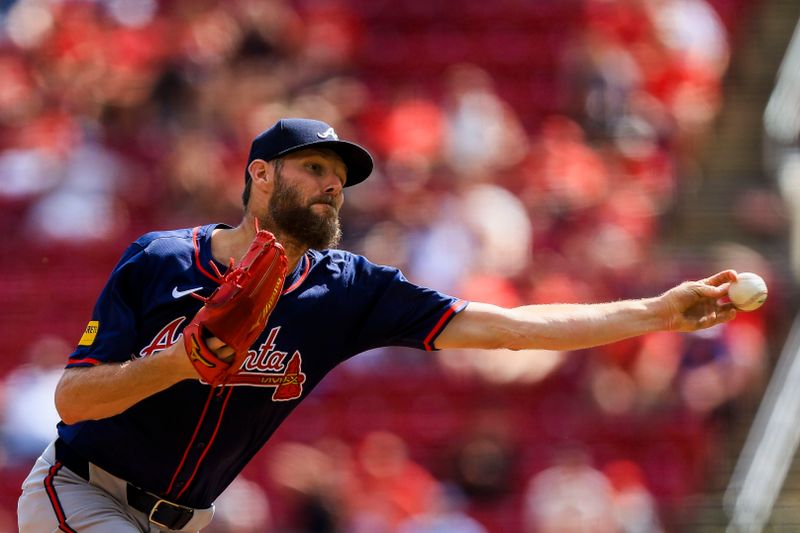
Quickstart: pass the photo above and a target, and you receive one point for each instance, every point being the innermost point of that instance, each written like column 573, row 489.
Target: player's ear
column 260, row 171
column 262, row 179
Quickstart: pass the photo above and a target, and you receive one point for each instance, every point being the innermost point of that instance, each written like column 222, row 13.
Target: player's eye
column 316, row 168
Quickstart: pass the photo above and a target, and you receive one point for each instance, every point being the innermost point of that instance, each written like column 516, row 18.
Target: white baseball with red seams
column 748, row 292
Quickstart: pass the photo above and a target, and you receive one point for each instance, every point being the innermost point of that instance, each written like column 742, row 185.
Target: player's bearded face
column 297, row 220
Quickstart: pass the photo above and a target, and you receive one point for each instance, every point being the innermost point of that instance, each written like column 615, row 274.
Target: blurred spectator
column 638, row 377
column 501, row 228
column 693, row 30
column 484, row 458
column 444, row 514
column 635, row 509
column 84, row 207
column 26, row 173
column 197, row 170
column 242, row 508
column 387, row 242
column 29, row 414
column 318, row 482
column 719, row 365
column 392, row 487
column 332, row 30
column 703, row 370
column 445, row 252
column 483, row 134
column 413, row 128
column 564, row 174
column 570, row 496
column 761, row 213
column 601, row 75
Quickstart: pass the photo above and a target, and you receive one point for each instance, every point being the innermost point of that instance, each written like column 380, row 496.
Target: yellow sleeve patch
column 91, row 332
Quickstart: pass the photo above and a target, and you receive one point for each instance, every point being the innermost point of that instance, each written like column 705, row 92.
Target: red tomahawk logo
column 288, row 385
column 291, row 385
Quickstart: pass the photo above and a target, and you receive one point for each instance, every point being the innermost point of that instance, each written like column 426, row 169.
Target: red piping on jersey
column 208, row 445
column 205, row 272
column 89, row 360
column 211, row 393
column 440, row 324
column 54, row 501
column 302, row 277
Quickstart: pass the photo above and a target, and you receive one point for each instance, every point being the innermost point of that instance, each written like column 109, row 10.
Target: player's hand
column 185, row 367
column 695, row 305
column 220, row 349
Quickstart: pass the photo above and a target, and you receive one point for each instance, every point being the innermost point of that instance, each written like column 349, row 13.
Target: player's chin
column 325, row 210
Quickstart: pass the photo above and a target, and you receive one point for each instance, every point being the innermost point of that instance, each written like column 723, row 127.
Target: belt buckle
column 154, row 510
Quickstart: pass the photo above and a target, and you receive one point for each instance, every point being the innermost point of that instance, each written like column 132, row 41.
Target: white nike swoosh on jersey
column 177, row 294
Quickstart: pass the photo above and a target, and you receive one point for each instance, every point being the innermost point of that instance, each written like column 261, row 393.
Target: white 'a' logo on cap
column 328, row 134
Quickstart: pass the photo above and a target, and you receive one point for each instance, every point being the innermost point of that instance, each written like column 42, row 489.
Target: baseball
column 748, row 292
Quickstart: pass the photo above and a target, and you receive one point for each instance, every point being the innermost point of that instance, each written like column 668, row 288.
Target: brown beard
column 298, row 222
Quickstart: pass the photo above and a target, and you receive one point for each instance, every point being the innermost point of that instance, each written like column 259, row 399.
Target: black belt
column 162, row 513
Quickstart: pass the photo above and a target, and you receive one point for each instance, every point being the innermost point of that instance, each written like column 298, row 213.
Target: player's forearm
column 109, row 389
column 575, row 326
column 690, row 306
column 551, row 327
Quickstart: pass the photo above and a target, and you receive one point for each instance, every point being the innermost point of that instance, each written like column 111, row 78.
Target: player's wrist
column 179, row 364
column 658, row 313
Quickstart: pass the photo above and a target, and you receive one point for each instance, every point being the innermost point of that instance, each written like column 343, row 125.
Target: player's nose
column 332, row 184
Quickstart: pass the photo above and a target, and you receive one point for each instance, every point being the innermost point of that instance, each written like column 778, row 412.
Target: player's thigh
column 61, row 501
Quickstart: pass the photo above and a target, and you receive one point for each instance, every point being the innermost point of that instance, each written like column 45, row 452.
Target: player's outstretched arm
column 690, row 306
column 109, row 389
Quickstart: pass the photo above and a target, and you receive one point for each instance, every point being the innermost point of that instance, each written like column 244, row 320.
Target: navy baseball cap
column 292, row 134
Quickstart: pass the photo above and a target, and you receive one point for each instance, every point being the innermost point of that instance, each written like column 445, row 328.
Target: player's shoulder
column 349, row 264
column 338, row 258
column 167, row 246
column 332, row 256
column 178, row 242
column 164, row 241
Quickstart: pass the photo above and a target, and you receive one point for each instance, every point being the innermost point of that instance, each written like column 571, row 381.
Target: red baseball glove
column 237, row 311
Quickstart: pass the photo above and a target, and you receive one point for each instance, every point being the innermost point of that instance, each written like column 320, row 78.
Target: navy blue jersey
column 188, row 442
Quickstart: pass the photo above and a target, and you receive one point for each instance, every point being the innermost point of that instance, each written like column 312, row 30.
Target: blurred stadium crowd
column 528, row 151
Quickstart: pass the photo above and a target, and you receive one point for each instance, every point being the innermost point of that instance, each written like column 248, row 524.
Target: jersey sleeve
column 398, row 312
column 111, row 332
